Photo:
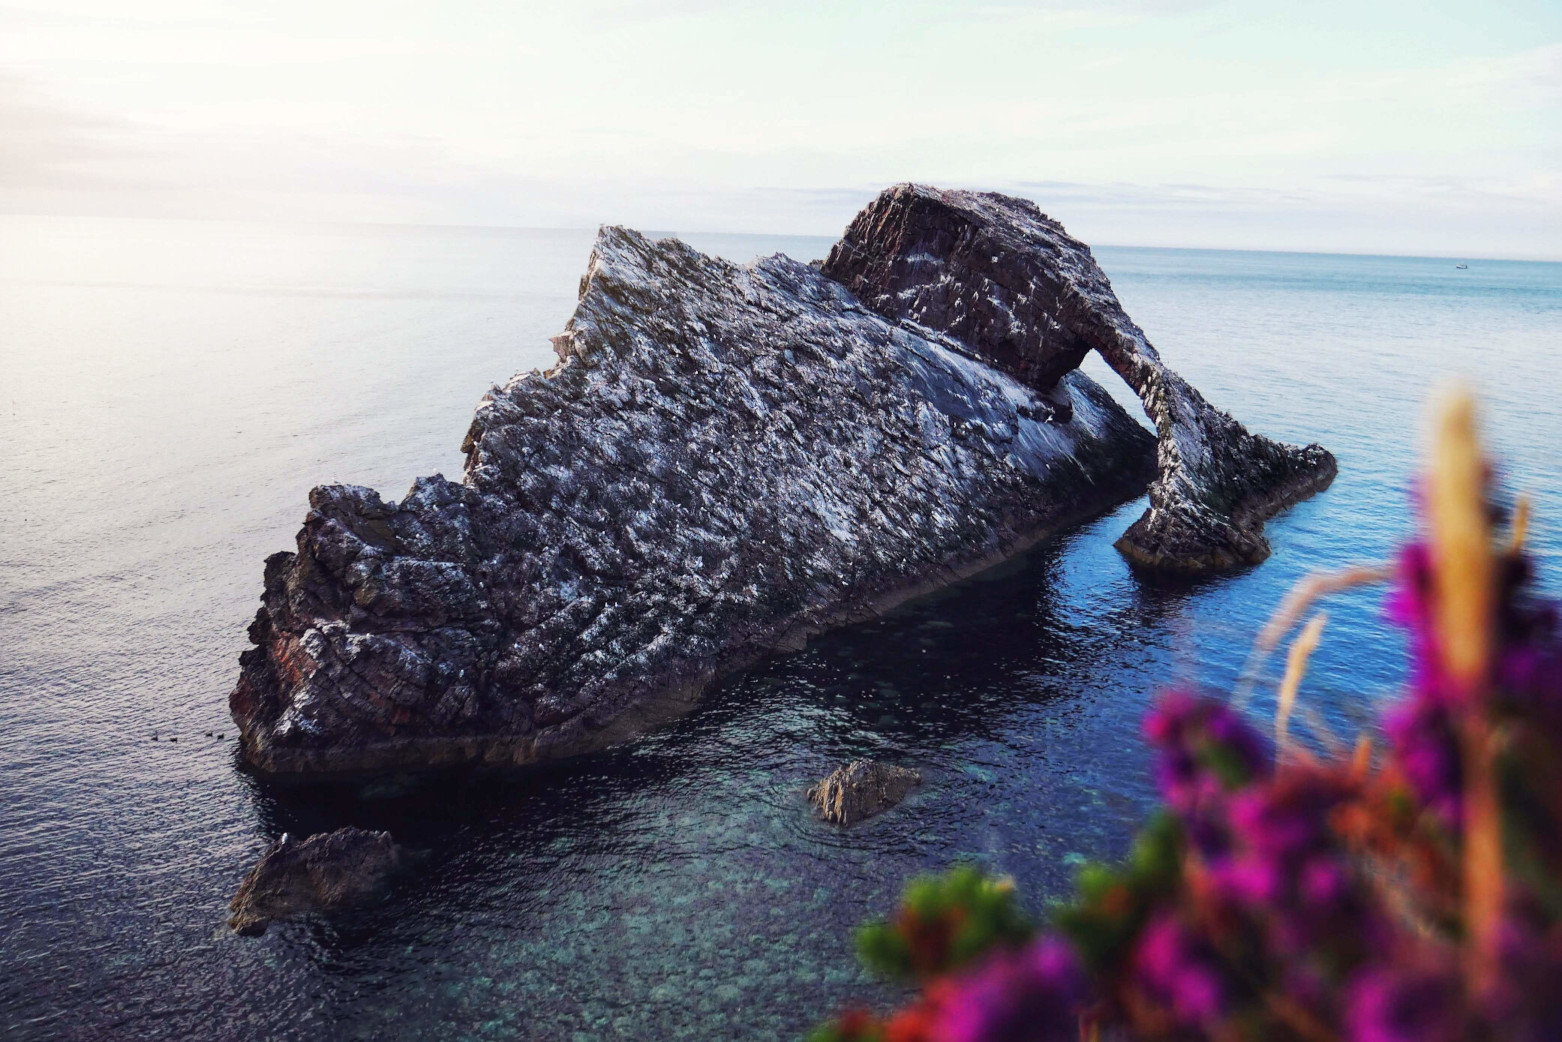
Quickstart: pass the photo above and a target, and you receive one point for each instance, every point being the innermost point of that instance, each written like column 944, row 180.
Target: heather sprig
column 1412, row 894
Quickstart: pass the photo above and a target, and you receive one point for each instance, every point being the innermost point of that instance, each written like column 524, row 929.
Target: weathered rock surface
column 725, row 460
column 860, row 790
column 319, row 874
column 1010, row 284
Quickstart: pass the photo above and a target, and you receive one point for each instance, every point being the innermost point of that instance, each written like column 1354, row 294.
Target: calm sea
column 170, row 391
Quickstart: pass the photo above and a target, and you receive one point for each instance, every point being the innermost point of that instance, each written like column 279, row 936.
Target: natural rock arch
column 1003, row 278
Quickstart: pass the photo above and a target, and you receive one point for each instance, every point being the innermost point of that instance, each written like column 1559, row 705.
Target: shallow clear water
column 170, row 391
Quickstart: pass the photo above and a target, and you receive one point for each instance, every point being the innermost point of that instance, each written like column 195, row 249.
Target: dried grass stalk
column 1520, row 526
column 1463, row 579
column 1461, row 544
column 1295, row 669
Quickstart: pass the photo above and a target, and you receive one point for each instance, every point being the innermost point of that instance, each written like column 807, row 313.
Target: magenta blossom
column 1177, row 969
column 1390, row 1004
column 1034, row 995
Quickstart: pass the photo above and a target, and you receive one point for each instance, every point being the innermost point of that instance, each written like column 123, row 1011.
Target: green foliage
column 852, row 1026
column 943, row 923
column 1112, row 901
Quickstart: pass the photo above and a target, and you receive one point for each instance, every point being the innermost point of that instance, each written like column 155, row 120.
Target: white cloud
column 1151, row 121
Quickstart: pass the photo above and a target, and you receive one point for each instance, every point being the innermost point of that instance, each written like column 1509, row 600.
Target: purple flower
column 1409, row 603
column 1532, row 674
column 1403, row 1005
column 1325, row 883
column 1279, row 824
column 1205, row 749
column 1422, row 733
column 1178, row 970
column 1247, row 881
column 1035, row 995
column 1523, row 1004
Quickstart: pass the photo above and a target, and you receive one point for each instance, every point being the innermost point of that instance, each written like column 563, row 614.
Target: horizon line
column 464, row 226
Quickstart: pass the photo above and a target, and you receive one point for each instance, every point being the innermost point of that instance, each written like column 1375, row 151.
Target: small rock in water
column 324, row 872
column 861, row 789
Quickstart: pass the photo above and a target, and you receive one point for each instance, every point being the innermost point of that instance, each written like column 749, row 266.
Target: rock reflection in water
column 652, row 888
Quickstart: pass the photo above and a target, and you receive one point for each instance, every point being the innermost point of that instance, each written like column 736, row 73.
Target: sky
column 1378, row 126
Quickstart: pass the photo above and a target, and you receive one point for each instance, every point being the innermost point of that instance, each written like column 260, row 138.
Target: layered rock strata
column 725, row 460
column 1008, row 282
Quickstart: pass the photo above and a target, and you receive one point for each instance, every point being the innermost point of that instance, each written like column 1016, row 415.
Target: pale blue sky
column 1431, row 127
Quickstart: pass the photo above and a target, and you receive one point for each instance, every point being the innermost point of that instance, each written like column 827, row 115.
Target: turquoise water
column 171, row 391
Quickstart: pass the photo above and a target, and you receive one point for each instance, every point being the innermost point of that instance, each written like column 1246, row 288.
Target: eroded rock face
column 725, row 460
column 1015, row 288
column 860, row 790
column 319, row 874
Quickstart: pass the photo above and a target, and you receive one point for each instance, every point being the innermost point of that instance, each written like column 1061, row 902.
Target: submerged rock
column 319, row 874
column 860, row 790
column 725, row 460
column 1011, row 285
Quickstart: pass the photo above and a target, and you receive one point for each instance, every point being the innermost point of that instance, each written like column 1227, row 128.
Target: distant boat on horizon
column 1461, row 267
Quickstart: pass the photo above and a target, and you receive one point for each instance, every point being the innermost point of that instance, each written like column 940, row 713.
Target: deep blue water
column 169, row 392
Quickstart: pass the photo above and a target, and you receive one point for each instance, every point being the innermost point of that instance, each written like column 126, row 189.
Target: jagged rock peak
column 1010, row 284
column 725, row 459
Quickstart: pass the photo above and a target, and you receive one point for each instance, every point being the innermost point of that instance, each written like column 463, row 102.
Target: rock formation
column 1010, row 284
column 860, row 790
column 319, row 874
column 725, row 460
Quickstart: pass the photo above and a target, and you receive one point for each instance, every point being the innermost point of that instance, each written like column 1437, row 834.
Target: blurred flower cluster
column 1410, row 892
